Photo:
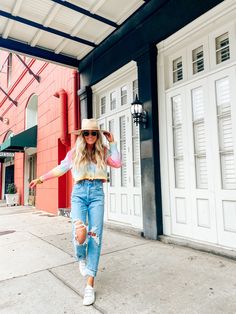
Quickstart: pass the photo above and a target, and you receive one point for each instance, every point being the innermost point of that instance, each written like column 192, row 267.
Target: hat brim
column 78, row 132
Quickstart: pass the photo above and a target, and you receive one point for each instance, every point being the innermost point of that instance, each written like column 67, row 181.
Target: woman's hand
column 34, row 182
column 109, row 136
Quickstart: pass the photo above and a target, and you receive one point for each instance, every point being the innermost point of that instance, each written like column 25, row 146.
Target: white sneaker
column 89, row 295
column 82, row 267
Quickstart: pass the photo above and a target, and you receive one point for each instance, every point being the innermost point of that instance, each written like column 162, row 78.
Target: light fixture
column 4, row 120
column 140, row 116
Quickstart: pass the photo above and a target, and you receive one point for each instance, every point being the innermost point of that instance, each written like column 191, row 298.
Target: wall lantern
column 140, row 116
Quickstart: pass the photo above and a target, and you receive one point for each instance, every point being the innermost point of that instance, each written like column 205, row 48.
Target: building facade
column 179, row 173
column 197, row 75
column 187, row 153
column 39, row 109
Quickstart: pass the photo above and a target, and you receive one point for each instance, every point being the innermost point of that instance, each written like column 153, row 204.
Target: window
column 199, row 138
column 123, row 150
column 103, row 105
column 178, row 141
column 112, row 174
column 9, row 69
column 123, row 95
column 113, row 100
column 177, row 70
column 135, row 88
column 222, row 48
column 225, row 134
column 198, row 60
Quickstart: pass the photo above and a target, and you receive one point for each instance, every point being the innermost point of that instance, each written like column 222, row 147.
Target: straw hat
column 88, row 124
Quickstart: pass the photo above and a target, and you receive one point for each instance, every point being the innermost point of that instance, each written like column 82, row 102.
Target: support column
column 149, row 144
column 85, row 95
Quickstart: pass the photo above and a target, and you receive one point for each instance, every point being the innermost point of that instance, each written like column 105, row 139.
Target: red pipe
column 64, row 138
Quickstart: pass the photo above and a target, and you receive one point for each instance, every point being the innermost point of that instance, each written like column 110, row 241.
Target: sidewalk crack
column 98, row 308
column 127, row 248
column 57, row 247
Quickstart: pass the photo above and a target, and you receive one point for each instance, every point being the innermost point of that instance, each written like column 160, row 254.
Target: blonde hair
column 82, row 155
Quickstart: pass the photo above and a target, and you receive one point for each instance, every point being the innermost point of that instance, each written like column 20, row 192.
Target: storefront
column 111, row 106
column 197, row 68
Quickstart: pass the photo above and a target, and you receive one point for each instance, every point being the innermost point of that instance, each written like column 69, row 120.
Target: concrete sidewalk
column 38, row 273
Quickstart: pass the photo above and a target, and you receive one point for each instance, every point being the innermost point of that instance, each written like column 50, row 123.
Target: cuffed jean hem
column 90, row 272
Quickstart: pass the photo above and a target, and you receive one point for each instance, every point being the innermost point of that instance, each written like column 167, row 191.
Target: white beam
column 79, row 25
column 10, row 23
column 46, row 23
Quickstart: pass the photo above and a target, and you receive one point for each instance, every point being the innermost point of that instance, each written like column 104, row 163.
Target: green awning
column 19, row 142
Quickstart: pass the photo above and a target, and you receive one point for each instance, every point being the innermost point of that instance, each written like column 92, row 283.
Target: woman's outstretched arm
column 63, row 167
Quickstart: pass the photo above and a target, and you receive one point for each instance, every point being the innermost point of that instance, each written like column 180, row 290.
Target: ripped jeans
column 87, row 205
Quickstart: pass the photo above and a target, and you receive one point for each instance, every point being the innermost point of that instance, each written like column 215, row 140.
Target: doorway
column 9, row 177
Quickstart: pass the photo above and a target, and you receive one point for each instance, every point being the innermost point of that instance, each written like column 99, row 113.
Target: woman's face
column 90, row 136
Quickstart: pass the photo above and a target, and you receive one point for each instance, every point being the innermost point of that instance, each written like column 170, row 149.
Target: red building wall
column 54, row 193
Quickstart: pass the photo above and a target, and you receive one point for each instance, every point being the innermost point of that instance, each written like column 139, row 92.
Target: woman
column 88, row 161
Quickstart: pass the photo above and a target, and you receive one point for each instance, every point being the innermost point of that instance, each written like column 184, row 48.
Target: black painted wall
column 149, row 142
column 155, row 21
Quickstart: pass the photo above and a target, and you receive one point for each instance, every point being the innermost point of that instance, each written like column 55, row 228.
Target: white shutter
column 112, row 170
column 223, row 96
column 199, row 138
column 113, row 100
column 225, row 134
column 228, row 171
column 102, row 127
column 222, row 48
column 178, row 141
column 103, row 105
column 197, row 103
column 198, row 59
column 177, row 110
column 136, row 155
column 201, row 173
column 123, row 150
column 177, row 70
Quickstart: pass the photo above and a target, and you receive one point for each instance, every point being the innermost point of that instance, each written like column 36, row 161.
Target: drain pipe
column 62, row 95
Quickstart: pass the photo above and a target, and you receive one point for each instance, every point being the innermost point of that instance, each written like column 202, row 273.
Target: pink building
column 38, row 111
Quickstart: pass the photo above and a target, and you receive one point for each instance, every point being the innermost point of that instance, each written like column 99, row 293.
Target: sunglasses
column 87, row 133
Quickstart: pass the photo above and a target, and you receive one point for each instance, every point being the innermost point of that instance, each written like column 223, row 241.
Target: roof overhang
column 61, row 31
column 19, row 142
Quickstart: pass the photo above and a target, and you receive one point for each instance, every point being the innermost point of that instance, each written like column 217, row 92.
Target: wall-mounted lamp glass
column 140, row 116
column 4, row 120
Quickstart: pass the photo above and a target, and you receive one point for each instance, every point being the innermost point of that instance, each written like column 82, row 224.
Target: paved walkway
column 38, row 273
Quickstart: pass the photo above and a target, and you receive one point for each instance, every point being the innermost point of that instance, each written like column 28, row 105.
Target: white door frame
column 28, row 153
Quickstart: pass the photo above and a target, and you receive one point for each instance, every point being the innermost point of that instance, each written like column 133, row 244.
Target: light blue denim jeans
column 87, row 205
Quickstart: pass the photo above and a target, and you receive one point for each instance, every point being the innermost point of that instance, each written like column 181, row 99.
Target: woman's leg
column 78, row 216
column 95, row 230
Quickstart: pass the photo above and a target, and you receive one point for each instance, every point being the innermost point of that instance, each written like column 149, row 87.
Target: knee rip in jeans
column 92, row 234
column 80, row 232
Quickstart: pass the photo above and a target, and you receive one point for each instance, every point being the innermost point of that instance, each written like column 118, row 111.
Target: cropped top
column 89, row 171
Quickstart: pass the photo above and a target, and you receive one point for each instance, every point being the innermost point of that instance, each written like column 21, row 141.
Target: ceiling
column 59, row 30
